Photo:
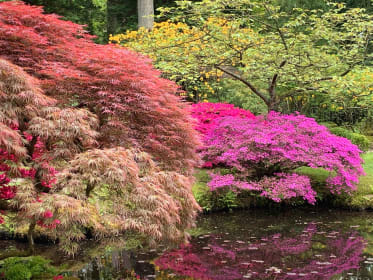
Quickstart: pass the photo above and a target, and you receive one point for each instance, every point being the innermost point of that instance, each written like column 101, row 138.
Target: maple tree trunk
column 30, row 236
column 145, row 10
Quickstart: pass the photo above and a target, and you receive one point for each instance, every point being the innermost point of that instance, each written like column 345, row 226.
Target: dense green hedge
column 358, row 139
column 35, row 267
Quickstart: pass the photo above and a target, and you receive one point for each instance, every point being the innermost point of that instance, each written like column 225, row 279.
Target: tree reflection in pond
column 309, row 255
column 255, row 244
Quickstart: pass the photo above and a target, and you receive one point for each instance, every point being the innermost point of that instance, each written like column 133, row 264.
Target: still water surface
column 291, row 244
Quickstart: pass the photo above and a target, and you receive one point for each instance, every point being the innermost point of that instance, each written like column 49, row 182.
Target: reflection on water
column 254, row 245
column 310, row 254
column 257, row 245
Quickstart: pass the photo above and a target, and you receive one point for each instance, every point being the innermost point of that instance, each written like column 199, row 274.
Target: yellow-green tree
column 277, row 56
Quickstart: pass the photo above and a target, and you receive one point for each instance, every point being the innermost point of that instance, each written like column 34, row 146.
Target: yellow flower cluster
column 179, row 50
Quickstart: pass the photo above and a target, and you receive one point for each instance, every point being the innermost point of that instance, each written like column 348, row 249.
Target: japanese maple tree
column 54, row 175
column 34, row 134
column 134, row 106
column 92, row 139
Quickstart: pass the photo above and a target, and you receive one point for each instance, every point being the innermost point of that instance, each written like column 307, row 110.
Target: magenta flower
column 264, row 152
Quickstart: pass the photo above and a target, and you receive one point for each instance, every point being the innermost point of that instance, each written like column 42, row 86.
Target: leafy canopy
column 278, row 56
column 135, row 107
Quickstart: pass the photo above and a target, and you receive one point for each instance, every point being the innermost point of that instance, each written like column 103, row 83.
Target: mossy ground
column 363, row 197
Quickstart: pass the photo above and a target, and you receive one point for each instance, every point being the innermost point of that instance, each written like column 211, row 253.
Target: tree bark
column 145, row 11
column 30, row 236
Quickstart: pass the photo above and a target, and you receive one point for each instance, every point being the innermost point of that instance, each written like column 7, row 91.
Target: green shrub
column 35, row 267
column 358, row 139
column 212, row 201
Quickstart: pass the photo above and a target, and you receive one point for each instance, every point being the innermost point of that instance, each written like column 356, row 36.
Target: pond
column 254, row 244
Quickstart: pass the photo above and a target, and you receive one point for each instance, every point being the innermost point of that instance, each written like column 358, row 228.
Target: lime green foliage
column 201, row 191
column 133, row 241
column 234, row 92
column 34, row 267
column 358, row 139
column 282, row 57
column 9, row 224
column 363, row 198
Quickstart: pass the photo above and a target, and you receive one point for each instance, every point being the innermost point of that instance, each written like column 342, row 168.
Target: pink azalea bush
column 207, row 113
column 262, row 154
column 281, row 186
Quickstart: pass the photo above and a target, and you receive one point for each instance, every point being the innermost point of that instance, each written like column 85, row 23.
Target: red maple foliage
column 33, row 134
column 78, row 125
column 134, row 105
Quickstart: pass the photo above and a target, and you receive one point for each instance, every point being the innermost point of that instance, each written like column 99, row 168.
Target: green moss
column 197, row 231
column 318, row 178
column 34, row 267
column 363, row 197
column 212, row 201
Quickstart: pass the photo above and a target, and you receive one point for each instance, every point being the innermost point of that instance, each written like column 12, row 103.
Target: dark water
column 254, row 245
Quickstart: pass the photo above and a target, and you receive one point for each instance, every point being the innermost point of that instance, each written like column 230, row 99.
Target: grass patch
column 318, row 177
column 363, row 197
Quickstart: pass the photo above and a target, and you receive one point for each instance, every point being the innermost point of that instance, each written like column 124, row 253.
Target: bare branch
column 239, row 78
column 274, row 81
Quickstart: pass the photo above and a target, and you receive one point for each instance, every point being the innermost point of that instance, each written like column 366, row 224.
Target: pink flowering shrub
column 207, row 113
column 262, row 154
column 281, row 186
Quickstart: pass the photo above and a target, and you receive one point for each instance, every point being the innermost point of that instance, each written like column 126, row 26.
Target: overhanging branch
column 239, row 78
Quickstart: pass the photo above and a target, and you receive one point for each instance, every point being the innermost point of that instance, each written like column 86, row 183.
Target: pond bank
column 304, row 244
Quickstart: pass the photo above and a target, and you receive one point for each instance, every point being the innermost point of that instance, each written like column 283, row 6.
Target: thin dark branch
column 239, row 78
column 31, row 147
column 274, row 81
